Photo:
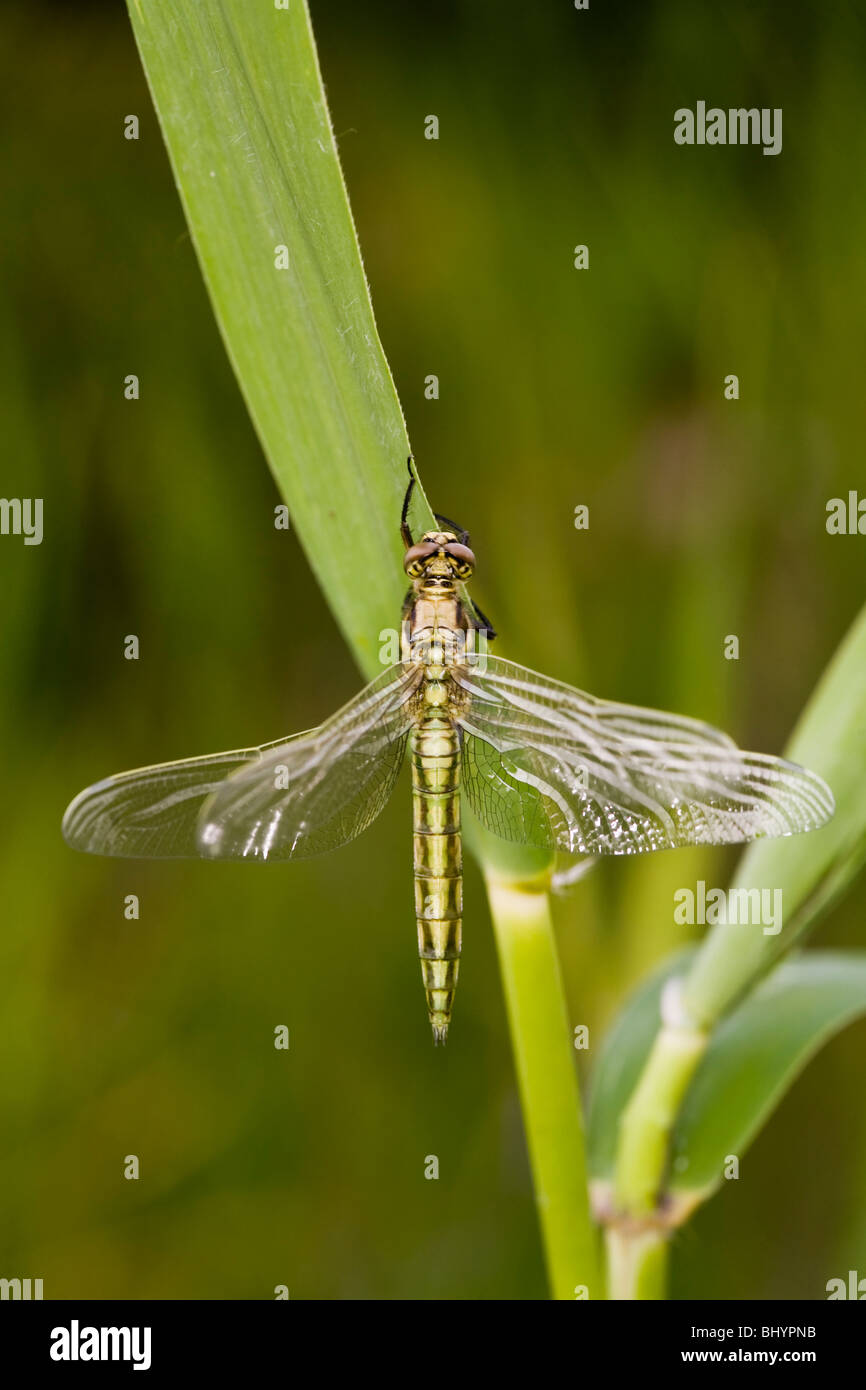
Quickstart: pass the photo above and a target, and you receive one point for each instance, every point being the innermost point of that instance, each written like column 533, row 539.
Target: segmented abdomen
column 435, row 755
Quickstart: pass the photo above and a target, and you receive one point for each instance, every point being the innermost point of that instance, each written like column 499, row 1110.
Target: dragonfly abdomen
column 435, row 756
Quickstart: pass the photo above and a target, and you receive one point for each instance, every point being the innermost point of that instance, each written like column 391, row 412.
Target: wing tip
column 824, row 808
column 69, row 828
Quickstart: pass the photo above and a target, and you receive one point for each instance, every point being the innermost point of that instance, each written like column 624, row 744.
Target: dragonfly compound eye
column 464, row 560
column 416, row 557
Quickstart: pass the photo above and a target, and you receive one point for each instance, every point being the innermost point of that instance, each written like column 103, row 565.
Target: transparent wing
column 291, row 798
column 546, row 765
column 152, row 812
column 318, row 791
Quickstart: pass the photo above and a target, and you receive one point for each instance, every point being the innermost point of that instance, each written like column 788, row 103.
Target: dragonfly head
column 440, row 557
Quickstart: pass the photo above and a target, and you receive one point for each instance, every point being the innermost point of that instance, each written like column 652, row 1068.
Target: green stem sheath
column 637, row 1263
column 637, row 1239
column 548, row 1085
column 648, row 1119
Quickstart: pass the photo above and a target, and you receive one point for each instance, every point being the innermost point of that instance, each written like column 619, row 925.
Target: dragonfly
column 540, row 764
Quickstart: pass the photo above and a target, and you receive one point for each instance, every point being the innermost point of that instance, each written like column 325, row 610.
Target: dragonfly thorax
column 435, row 636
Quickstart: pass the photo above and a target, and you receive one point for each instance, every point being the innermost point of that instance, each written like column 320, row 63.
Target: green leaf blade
column 754, row 1058
column 811, row 870
column 242, row 108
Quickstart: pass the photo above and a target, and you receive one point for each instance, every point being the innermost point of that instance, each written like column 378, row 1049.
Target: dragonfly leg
column 484, row 624
column 462, row 536
column 405, row 530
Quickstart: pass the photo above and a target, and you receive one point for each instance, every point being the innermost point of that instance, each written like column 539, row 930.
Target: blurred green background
column 557, row 387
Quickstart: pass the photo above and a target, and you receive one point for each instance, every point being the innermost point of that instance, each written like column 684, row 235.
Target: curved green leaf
column 239, row 96
column 811, row 870
column 754, row 1057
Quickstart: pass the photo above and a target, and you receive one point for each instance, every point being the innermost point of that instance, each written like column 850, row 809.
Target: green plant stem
column 648, row 1119
column 636, row 1238
column 637, row 1263
column 548, row 1083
